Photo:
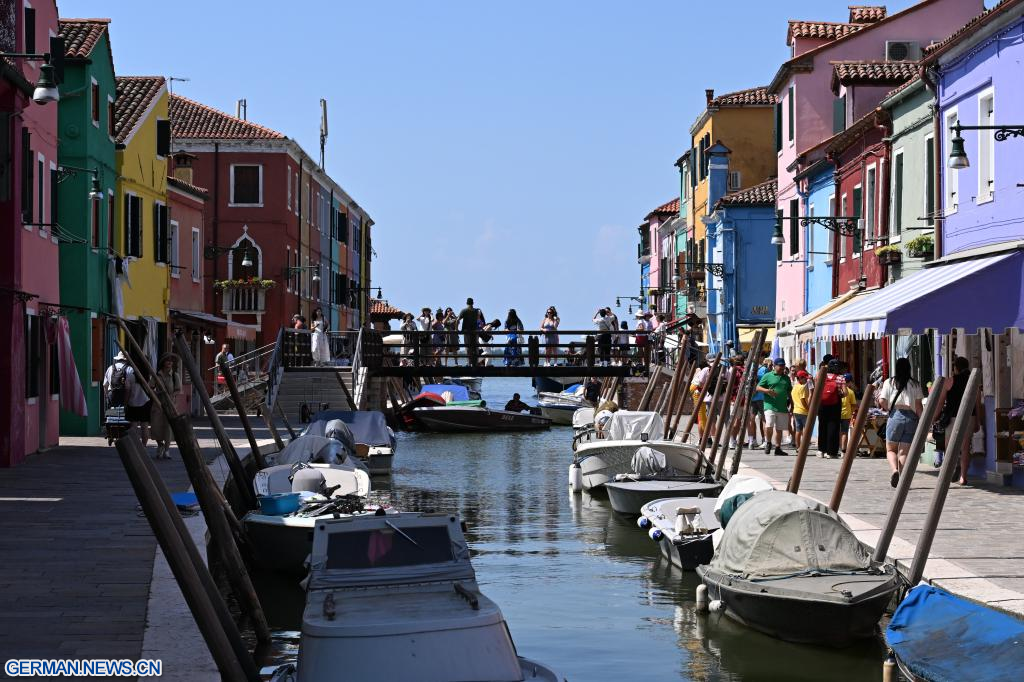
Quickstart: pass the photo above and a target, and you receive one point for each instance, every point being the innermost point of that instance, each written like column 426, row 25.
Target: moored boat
column 558, row 414
column 455, row 418
column 554, row 384
column 396, row 598
column 374, row 440
column 789, row 567
column 652, row 477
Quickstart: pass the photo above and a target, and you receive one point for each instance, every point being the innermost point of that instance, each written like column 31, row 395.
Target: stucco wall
column 912, row 135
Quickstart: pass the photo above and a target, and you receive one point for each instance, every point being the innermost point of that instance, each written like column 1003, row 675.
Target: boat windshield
column 388, row 547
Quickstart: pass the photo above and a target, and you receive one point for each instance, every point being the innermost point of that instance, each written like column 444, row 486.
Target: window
column 839, row 114
column 289, row 188
column 986, row 147
column 160, row 232
column 858, row 206
column 163, row 137
column 791, row 107
column 897, row 194
column 297, row 195
column 929, row 181
column 869, row 203
column 30, row 29
column 110, row 221
column 794, row 227
column 41, row 190
column 54, row 371
column 196, row 260
column 31, row 356
column 952, row 176
column 830, row 233
column 53, row 195
column 110, row 116
column 172, row 238
column 246, row 185
column 94, row 103
column 27, row 183
column 778, row 126
column 842, row 238
column 132, row 225
column 95, row 205
column 778, row 247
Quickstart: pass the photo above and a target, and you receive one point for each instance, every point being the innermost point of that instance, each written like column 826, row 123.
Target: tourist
column 901, row 397
column 622, row 344
column 226, row 356
column 168, row 377
column 592, row 390
column 516, row 405
column 298, row 322
column 487, row 337
column 604, row 336
column 954, row 398
column 549, row 325
column 451, row 325
column 122, row 390
column 641, row 340
column 776, row 388
column 757, row 413
column 469, row 320
column 408, row 337
column 800, row 397
column 438, row 337
column 831, row 409
column 849, row 405
column 424, row 321
column 320, row 345
column 705, row 376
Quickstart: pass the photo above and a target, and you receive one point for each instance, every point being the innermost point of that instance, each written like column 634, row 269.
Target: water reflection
column 583, row 589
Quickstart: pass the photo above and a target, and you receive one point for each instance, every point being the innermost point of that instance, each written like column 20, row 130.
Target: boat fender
column 655, row 534
column 889, row 668
column 575, row 477
column 716, row 605
column 702, row 598
column 643, row 522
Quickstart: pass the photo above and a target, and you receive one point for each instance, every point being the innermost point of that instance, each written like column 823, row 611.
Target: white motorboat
column 456, row 418
column 374, row 440
column 558, row 414
column 611, row 452
column 651, row 478
column 396, row 598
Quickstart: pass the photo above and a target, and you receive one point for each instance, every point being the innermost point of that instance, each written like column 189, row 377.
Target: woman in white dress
column 321, row 347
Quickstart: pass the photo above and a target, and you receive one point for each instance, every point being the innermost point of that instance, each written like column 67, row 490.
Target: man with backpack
column 122, row 390
column 830, row 411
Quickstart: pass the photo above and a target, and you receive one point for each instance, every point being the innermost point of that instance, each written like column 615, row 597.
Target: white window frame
column 842, row 238
column 110, row 101
column 172, row 247
column 857, row 254
column 42, row 204
column 951, row 186
column 298, row 188
column 893, row 236
column 831, row 239
column 95, row 121
column 871, row 226
column 929, row 140
column 231, row 172
column 157, row 202
column 986, row 171
column 197, row 255
column 289, row 169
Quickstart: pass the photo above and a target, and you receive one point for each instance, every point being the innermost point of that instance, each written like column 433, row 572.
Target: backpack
column 830, row 390
column 118, row 389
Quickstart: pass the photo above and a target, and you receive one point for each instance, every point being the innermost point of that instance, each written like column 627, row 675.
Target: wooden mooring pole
column 805, row 440
column 700, row 398
column 852, row 441
column 741, row 409
column 684, row 395
column 236, row 398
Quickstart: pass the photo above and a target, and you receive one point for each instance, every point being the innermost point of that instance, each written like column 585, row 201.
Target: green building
column 86, row 152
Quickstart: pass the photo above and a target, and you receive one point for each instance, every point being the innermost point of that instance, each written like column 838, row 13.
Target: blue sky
column 506, row 150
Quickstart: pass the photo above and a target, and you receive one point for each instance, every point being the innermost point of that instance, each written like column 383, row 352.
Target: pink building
column 29, row 285
column 809, row 113
column 661, row 224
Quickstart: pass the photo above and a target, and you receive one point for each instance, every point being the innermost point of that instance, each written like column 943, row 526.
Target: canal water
column 583, row 589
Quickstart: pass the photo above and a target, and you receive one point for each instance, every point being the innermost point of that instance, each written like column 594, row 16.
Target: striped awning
column 984, row 293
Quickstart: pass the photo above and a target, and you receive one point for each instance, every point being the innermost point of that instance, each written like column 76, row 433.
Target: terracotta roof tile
column 81, row 35
column 187, row 186
column 192, row 120
column 749, row 97
column 866, row 14
column 762, row 194
column 968, row 28
column 668, row 208
column 134, row 95
column 872, row 73
column 823, row 30
column 383, row 308
column 896, row 91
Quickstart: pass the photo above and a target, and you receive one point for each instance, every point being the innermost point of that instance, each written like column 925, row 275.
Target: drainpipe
column 839, row 207
column 930, row 81
column 216, row 209
column 884, row 124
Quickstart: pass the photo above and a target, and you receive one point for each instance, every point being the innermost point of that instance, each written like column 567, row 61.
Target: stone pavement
column 978, row 550
column 77, row 556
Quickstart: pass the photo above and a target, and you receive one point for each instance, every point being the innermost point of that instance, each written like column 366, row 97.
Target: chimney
column 183, row 167
column 241, row 109
column 718, row 172
column 710, row 95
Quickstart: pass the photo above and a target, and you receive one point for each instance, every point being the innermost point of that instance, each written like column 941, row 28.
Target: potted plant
column 248, row 282
column 889, row 254
column 922, row 247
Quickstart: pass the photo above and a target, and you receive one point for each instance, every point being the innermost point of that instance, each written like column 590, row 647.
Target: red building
column 271, row 213
column 29, row 281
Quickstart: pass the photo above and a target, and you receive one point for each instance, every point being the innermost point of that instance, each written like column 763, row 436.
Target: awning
column 746, row 335
column 985, row 293
column 805, row 324
column 233, row 330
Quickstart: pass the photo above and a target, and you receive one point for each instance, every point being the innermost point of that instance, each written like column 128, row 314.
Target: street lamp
column 49, row 72
column 212, row 251
column 840, row 224
column 958, row 155
column 95, row 193
column 289, row 271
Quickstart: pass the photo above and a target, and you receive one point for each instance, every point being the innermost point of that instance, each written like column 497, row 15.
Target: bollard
column 702, row 598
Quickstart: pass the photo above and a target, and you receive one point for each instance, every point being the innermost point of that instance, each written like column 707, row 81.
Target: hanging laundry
column 72, row 397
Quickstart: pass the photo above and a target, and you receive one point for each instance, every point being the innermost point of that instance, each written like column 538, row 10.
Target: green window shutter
column 839, row 114
column 790, row 113
column 929, row 182
column 858, row 194
column 897, row 209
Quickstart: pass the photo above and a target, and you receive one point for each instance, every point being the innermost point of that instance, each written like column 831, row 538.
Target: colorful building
column 661, row 225
column 809, row 112
column 86, row 153
column 141, row 291
column 29, row 291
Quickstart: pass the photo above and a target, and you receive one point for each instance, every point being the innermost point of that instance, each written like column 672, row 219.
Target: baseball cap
column 802, row 375
column 779, row 361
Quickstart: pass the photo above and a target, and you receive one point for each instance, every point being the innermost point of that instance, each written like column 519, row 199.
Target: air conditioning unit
column 902, row 51
column 734, row 180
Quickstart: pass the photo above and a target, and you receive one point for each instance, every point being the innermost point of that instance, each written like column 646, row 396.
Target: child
column 849, row 403
column 799, row 397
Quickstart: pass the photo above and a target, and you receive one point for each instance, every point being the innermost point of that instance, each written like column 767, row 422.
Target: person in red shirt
column 831, row 410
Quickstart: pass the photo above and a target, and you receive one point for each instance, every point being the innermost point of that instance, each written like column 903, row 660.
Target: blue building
column 741, row 291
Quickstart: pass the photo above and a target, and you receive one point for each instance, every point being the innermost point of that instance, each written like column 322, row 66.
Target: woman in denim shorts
column 901, row 396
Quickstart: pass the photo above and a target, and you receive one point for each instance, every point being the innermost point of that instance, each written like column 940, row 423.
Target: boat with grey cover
column 652, row 478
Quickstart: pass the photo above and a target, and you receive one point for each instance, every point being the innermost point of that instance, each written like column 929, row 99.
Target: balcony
column 244, row 299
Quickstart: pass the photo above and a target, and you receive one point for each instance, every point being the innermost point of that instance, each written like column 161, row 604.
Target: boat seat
column 311, row 480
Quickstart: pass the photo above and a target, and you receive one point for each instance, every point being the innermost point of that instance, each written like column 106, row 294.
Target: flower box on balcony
column 889, row 255
column 250, row 283
column 922, row 247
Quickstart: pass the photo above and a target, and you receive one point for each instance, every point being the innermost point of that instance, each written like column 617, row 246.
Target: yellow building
column 744, row 122
column 143, row 241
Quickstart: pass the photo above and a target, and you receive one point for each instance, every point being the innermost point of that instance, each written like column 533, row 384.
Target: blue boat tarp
column 458, row 391
column 368, row 428
column 939, row 637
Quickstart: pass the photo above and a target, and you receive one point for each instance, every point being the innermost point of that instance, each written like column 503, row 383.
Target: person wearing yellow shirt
column 849, row 407
column 800, row 396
